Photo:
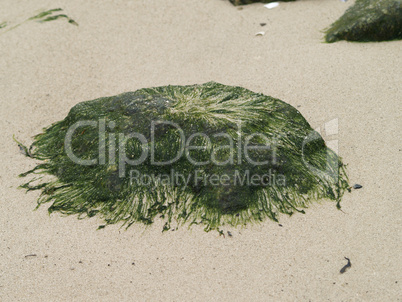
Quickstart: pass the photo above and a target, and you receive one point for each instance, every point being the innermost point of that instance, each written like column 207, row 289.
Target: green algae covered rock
column 204, row 154
column 243, row 2
column 368, row 20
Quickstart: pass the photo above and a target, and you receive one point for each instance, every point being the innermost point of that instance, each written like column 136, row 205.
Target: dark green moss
column 368, row 20
column 294, row 170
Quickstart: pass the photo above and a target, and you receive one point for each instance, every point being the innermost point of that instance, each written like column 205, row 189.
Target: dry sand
column 121, row 46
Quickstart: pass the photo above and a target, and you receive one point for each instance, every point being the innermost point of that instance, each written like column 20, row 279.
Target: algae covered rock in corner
column 368, row 20
column 206, row 154
column 243, row 2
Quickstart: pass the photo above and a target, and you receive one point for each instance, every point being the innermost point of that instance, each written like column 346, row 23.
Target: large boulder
column 210, row 154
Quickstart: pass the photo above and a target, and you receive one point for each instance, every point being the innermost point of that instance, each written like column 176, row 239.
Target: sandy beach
column 120, row 46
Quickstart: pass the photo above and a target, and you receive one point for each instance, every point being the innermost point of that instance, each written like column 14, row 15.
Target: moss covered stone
column 368, row 20
column 204, row 154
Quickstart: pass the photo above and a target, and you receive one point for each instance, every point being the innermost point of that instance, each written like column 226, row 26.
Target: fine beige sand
column 122, row 46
